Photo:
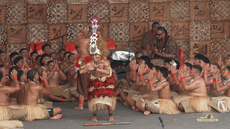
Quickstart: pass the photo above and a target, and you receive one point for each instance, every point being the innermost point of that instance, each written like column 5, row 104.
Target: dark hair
column 164, row 71
column 188, row 65
column 11, row 69
column 43, row 47
column 228, row 68
column 1, row 66
column 49, row 62
column 70, row 55
column 150, row 65
column 205, row 59
column 43, row 56
column 163, row 30
column 167, row 60
column 155, row 23
column 178, row 64
column 61, row 50
column 2, row 52
column 37, row 57
column 1, row 75
column 31, row 54
column 22, row 50
column 157, row 68
column 198, row 56
column 67, row 52
column 31, row 74
column 216, row 65
column 146, row 59
column 17, row 59
column 198, row 68
column 53, row 53
column 20, row 73
column 13, row 54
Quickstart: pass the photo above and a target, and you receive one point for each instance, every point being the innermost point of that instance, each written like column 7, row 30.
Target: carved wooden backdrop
column 198, row 26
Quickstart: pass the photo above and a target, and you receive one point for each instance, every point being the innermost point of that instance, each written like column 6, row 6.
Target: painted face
column 212, row 68
column 3, row 57
column 45, row 60
column 61, row 55
column 24, row 53
column 34, row 56
column 96, row 57
column 141, row 62
column 159, row 75
column 196, row 61
column 20, row 63
column 201, row 63
column 184, row 67
column 167, row 65
column 193, row 72
column 47, row 50
column 154, row 71
column 51, row 66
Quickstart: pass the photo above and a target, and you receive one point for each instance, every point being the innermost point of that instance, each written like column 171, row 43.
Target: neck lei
column 94, row 63
column 192, row 80
column 43, row 67
column 186, row 75
column 0, row 84
column 226, row 81
column 32, row 82
column 159, row 83
column 22, row 83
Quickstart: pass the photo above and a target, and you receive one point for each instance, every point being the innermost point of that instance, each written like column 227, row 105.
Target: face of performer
column 201, row 63
column 212, row 68
column 3, row 57
column 72, row 58
column 96, row 58
column 38, row 60
column 47, row 50
column 36, row 77
column 33, row 57
column 167, row 65
column 185, row 68
column 228, row 61
column 154, row 71
column 159, row 75
column 24, row 53
column 193, row 72
column 45, row 60
column 20, row 63
column 137, row 56
column 61, row 55
column 160, row 35
column 225, row 72
column 196, row 61
column 54, row 56
column 51, row 66
column 66, row 57
column 155, row 28
column 14, row 57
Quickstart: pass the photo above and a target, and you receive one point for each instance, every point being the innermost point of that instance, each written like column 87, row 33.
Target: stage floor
column 75, row 119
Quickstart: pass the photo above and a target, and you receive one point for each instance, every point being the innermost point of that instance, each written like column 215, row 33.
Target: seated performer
column 45, row 58
column 3, row 58
column 38, row 60
column 54, row 75
column 150, row 40
column 64, row 65
column 101, row 87
column 46, row 48
column 221, row 103
column 163, row 105
column 166, row 47
column 53, row 55
column 8, row 112
column 24, row 53
column 21, row 63
column 172, row 67
column 194, row 98
column 32, row 63
column 61, row 56
column 35, row 110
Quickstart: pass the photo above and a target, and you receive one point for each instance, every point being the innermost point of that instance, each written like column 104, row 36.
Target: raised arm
column 46, row 90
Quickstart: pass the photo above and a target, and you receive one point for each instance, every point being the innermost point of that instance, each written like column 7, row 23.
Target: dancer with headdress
column 101, row 87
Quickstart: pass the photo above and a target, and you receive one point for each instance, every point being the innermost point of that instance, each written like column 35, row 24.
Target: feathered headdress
column 93, row 38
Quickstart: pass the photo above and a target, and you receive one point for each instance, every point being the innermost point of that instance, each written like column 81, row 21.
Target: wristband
column 149, row 80
column 62, row 99
column 81, row 35
column 45, row 82
column 23, row 67
column 138, row 75
column 202, row 76
column 220, row 66
column 205, row 73
column 180, row 81
column 15, row 78
column 28, row 67
column 182, row 78
column 214, row 80
column 133, row 70
column 173, row 74
column 81, row 102
column 141, row 75
column 53, row 70
column 42, row 82
column 217, row 80
column 59, row 70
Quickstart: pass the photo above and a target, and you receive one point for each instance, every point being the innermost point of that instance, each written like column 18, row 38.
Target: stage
column 75, row 119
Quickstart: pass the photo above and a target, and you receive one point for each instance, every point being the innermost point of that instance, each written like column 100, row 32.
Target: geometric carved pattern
column 2, row 14
column 74, row 30
column 219, row 10
column 37, row 33
column 15, row 14
column 184, row 45
column 77, row 1
column 166, row 25
column 199, row 11
column 56, row 32
column 3, row 34
column 15, row 47
column 180, row 30
column 119, row 32
column 137, row 30
column 99, row 10
column 77, row 13
column 220, row 29
column 36, row 14
column 16, row 34
column 200, row 47
column 219, row 48
column 37, row 1
column 118, row 12
column 118, row 1
column 138, row 12
column 199, row 30
column 159, row 11
column 179, row 10
column 56, row 13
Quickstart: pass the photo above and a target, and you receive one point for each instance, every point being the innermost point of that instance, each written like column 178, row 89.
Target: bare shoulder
column 89, row 63
column 36, row 86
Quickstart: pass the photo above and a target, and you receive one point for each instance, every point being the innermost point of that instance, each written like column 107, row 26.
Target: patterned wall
column 201, row 26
